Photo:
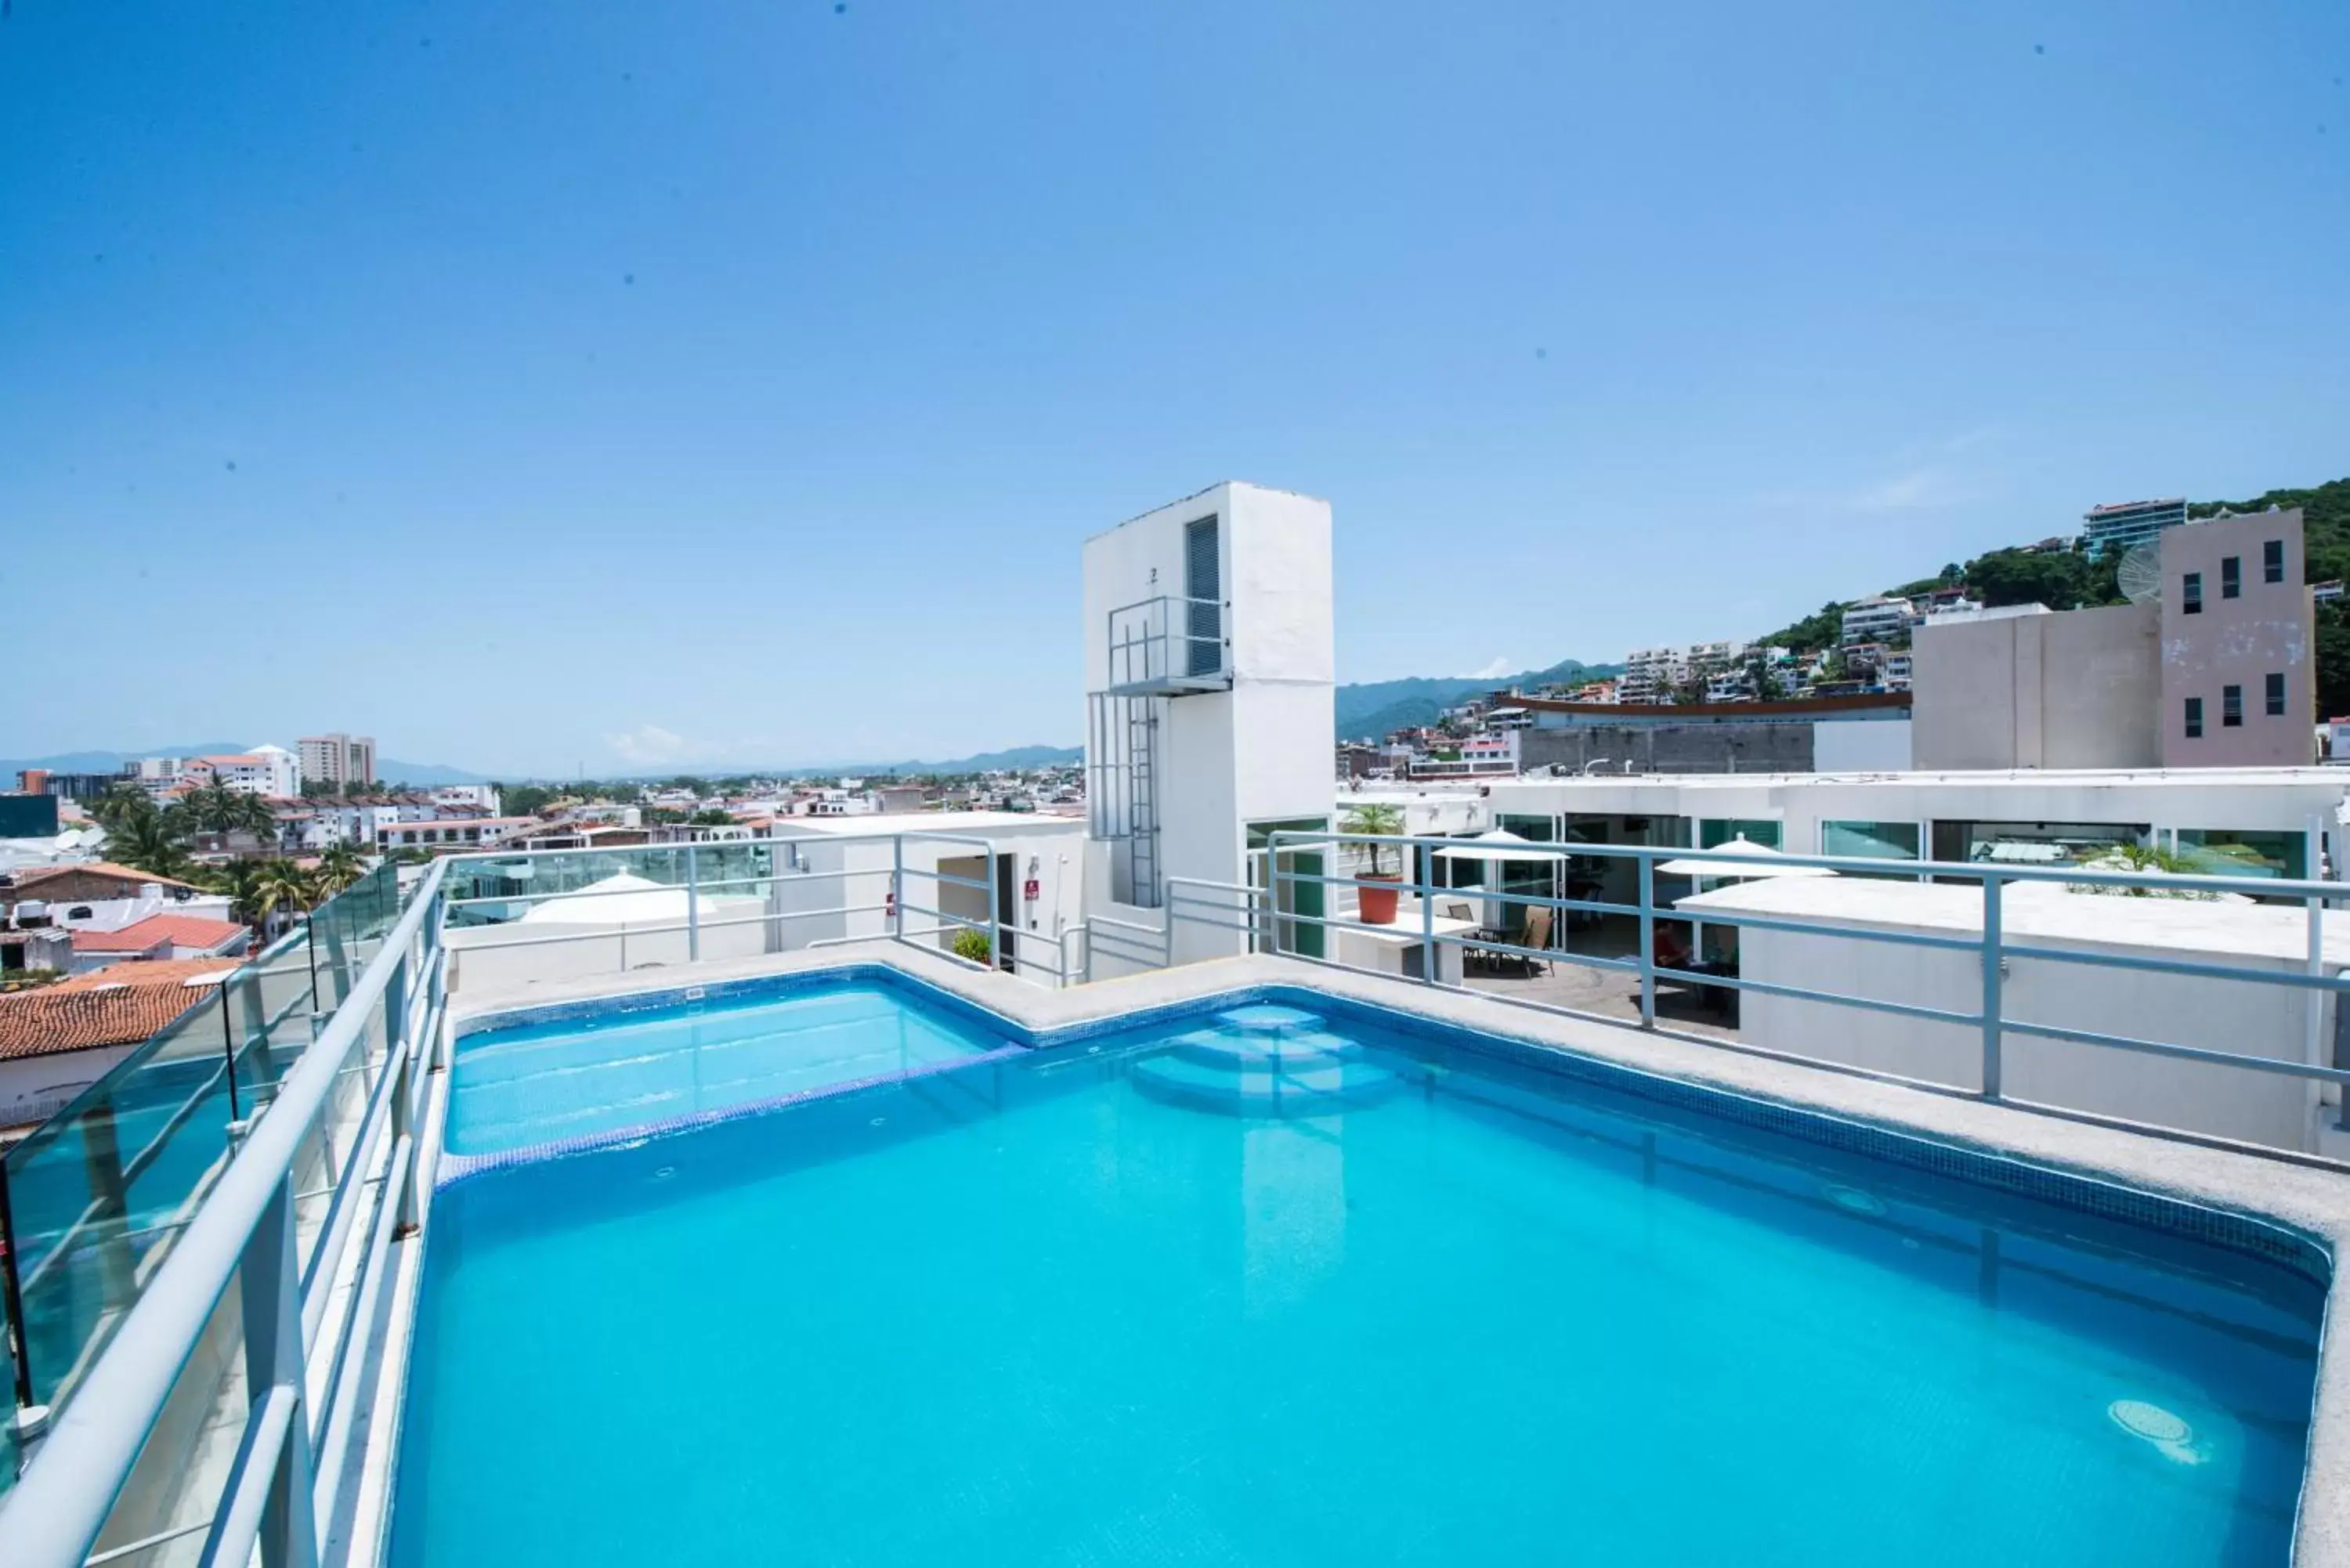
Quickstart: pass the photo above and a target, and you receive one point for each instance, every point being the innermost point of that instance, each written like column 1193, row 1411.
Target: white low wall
column 518, row 954
column 2241, row 1017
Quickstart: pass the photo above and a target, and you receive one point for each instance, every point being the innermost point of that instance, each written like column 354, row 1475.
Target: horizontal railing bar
column 145, row 1543
column 1099, row 922
column 237, row 1526
column 2298, row 978
column 803, row 837
column 2188, row 1052
column 613, row 933
column 1909, row 870
column 1806, row 928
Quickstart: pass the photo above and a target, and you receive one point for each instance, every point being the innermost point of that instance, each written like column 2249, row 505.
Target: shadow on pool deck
column 1610, row 993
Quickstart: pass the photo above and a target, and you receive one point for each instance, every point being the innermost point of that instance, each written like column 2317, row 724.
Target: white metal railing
column 1167, row 643
column 1033, row 956
column 1257, row 913
column 300, row 1377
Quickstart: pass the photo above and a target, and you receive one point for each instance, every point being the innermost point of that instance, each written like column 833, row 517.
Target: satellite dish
column 2141, row 573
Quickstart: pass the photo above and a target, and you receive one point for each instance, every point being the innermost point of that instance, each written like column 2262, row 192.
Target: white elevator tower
column 1209, row 671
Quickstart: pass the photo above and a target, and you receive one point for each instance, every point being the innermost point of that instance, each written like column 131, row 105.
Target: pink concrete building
column 2239, row 672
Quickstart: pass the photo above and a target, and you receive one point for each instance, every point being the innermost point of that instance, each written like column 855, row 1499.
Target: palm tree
column 1374, row 817
column 338, row 868
column 213, row 807
column 120, row 803
column 257, row 816
column 240, row 880
column 281, row 885
column 149, row 841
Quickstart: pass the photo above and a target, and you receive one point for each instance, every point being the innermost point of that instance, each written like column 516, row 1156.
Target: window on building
column 2195, row 718
column 2276, row 694
column 2229, row 852
column 2231, row 707
column 1871, row 840
column 2273, row 561
column 2231, row 576
column 2190, row 594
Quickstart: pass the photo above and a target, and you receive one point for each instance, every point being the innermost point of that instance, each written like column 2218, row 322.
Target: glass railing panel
column 516, row 884
column 101, row 1196
column 99, row 1192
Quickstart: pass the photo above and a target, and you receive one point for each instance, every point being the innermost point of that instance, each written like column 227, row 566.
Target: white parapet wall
column 2242, row 1017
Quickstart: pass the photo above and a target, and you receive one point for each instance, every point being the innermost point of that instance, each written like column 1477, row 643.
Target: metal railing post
column 1990, row 988
column 228, row 1051
column 12, row 1301
column 898, row 886
column 998, row 942
column 1648, row 864
column 1426, row 915
column 395, row 1009
column 270, row 1294
column 2313, row 1030
column 692, row 905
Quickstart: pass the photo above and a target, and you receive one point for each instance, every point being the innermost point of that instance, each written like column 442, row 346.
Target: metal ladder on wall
column 1142, row 796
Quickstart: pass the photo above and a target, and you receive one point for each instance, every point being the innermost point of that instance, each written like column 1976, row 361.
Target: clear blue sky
column 629, row 384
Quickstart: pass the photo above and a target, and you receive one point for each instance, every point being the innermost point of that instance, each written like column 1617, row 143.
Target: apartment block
column 2122, row 524
column 346, row 761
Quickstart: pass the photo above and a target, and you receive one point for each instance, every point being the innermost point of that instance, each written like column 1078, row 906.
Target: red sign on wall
column 1033, row 891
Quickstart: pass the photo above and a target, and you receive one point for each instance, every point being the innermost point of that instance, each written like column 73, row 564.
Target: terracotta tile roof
column 70, row 1016
column 156, row 972
column 119, row 943
column 31, row 874
column 180, row 931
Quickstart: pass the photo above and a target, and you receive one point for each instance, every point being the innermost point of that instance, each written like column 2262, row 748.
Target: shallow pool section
column 584, row 1074
column 1280, row 1285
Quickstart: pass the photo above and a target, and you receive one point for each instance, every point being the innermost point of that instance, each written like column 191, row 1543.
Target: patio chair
column 1537, row 935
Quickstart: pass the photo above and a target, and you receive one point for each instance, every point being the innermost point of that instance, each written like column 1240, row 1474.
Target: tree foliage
column 1814, row 631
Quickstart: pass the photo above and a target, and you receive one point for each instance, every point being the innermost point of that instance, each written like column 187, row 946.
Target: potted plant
column 1378, row 902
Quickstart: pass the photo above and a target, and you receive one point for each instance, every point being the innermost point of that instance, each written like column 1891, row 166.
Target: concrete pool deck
column 2309, row 1200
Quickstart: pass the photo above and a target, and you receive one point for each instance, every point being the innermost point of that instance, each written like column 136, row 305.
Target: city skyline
column 749, row 397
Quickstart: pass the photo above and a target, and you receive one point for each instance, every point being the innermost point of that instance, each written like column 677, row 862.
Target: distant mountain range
column 984, row 763
column 390, row 769
column 1368, row 710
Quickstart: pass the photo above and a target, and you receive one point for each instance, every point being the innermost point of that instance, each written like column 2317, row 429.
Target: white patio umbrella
column 1492, row 847
column 1764, row 860
column 1767, row 862
column 1499, row 845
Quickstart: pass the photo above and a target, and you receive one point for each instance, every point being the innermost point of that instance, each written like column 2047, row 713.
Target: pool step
column 1310, row 1079
column 1259, row 1053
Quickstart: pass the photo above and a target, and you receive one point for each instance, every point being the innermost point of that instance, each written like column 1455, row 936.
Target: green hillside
column 1368, row 710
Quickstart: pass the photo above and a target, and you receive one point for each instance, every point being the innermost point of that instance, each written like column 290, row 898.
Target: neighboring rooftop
column 2042, row 909
column 180, row 931
column 92, row 1010
column 26, row 878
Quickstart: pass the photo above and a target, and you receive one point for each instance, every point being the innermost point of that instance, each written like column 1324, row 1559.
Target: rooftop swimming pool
column 1287, row 1280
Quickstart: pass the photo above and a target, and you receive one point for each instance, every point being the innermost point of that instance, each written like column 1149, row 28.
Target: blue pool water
column 539, row 1083
column 1296, row 1289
